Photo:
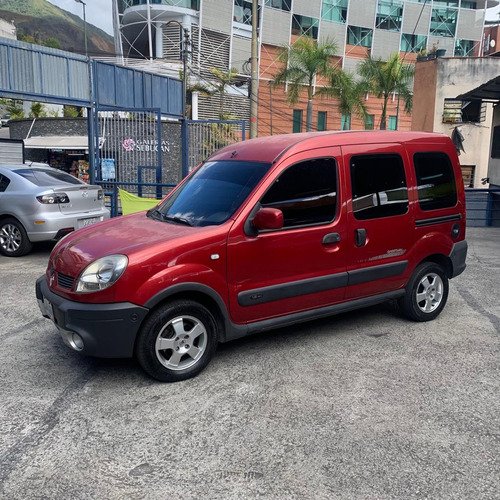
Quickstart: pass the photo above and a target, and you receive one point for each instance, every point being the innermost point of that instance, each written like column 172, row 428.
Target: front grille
column 65, row 281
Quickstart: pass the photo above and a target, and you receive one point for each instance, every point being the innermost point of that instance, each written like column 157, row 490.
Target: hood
column 136, row 236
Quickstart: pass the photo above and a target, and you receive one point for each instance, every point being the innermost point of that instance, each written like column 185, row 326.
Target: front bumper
column 102, row 330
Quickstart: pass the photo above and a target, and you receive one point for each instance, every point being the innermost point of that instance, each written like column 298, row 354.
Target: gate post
column 185, row 147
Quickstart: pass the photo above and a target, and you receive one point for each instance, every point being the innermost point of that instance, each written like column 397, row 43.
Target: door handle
column 328, row 239
column 360, row 237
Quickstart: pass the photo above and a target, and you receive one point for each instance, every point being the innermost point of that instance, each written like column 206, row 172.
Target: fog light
column 76, row 342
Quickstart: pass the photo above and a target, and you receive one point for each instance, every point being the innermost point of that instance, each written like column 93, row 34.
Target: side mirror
column 268, row 218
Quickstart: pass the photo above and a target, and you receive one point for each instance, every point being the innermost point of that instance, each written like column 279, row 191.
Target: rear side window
column 306, row 193
column 378, row 186
column 4, row 182
column 47, row 177
column 435, row 181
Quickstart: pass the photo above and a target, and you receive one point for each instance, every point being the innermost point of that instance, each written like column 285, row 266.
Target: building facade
column 220, row 37
column 437, row 108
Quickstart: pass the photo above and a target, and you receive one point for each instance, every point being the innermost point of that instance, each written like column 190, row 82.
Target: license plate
column 87, row 222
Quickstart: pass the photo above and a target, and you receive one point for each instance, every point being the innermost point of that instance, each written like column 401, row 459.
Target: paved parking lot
column 364, row 405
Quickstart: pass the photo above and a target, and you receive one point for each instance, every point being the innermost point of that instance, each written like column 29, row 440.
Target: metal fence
column 483, row 207
column 207, row 136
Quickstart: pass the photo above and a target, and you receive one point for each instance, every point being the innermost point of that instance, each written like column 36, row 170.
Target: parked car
column 39, row 203
column 4, row 122
column 266, row 233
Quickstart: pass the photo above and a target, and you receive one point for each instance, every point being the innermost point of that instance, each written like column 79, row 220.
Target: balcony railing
column 186, row 4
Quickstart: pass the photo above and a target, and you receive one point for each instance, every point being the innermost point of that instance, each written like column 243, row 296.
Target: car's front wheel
column 426, row 293
column 14, row 240
column 177, row 341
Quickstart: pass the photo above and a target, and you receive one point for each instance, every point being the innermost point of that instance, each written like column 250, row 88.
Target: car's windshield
column 213, row 193
column 46, row 177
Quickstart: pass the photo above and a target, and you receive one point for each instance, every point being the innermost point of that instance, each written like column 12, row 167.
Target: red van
column 265, row 233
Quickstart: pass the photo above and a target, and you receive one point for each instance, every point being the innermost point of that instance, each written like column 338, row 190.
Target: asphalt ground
column 364, row 405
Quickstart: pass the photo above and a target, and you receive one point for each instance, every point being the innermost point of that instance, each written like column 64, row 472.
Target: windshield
column 213, row 193
column 47, row 177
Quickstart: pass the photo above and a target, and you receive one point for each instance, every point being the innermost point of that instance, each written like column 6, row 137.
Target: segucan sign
column 145, row 145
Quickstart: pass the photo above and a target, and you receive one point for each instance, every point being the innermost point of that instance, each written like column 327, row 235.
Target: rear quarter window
column 4, row 182
column 435, row 181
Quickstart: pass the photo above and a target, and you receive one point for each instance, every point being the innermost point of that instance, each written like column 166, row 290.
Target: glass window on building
column 443, row 22
column 464, row 48
column 279, row 4
column 334, row 10
column 297, row 121
column 413, row 43
column 346, row 122
column 393, row 123
column 321, row 121
column 369, row 122
column 389, row 15
column 243, row 12
column 467, row 4
column 303, row 25
column 446, row 3
column 359, row 36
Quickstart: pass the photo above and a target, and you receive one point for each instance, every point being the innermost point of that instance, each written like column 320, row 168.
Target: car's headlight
column 102, row 273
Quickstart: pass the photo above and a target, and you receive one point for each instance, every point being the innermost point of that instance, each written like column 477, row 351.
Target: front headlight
column 102, row 273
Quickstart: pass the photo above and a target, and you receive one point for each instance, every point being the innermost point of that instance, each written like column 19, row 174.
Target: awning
column 489, row 91
column 79, row 142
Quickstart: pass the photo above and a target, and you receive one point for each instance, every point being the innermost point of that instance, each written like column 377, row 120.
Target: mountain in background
column 38, row 21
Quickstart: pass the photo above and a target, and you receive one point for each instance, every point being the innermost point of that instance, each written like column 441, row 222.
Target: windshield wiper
column 154, row 213
column 179, row 220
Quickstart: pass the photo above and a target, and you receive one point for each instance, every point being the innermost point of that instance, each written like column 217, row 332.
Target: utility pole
column 255, row 72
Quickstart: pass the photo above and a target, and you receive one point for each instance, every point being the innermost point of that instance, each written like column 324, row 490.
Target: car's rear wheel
column 14, row 240
column 177, row 341
column 426, row 293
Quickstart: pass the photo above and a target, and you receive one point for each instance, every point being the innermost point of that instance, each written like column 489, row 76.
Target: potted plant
column 422, row 54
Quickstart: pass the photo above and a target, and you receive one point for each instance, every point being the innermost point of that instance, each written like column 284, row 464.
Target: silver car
column 39, row 203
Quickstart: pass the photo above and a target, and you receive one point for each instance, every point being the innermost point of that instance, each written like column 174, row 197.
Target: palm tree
column 386, row 78
column 222, row 80
column 302, row 62
column 350, row 95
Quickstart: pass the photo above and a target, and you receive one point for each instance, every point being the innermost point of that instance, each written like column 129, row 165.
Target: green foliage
column 222, row 79
column 350, row 94
column 70, row 112
column 301, row 63
column 53, row 43
column 37, row 110
column 13, row 107
column 384, row 78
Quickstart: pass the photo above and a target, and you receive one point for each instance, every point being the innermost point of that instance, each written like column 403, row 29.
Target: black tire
column 188, row 332
column 426, row 293
column 14, row 240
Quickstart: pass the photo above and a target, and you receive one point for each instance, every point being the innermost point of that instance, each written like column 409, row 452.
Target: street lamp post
column 185, row 52
column 84, row 26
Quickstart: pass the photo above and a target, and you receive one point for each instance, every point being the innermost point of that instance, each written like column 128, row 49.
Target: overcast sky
column 98, row 12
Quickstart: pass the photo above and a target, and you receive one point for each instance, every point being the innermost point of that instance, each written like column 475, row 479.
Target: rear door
column 381, row 229
column 302, row 265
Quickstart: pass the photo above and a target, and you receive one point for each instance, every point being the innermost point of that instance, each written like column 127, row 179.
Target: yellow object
column 132, row 203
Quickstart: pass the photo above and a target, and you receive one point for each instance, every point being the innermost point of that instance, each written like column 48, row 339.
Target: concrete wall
column 447, row 78
column 456, row 76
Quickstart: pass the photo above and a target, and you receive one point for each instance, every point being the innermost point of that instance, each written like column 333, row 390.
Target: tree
column 13, row 107
column 302, row 62
column 386, row 78
column 70, row 112
column 37, row 110
column 223, row 79
column 350, row 95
